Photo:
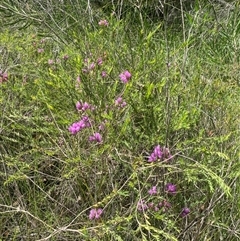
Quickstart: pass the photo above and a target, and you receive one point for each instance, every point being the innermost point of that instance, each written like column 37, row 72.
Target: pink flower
column 102, row 126
column 88, row 67
column 78, row 126
column 42, row 41
column 103, row 22
column 171, row 188
column 156, row 154
column 40, row 50
column 95, row 213
column 96, row 137
column 99, row 61
column 142, row 206
column 50, row 61
column 91, row 66
column 165, row 205
column 125, row 76
column 104, row 74
column 3, row 77
column 123, row 104
column 151, row 205
column 83, row 106
column 166, row 154
column 119, row 102
column 78, row 79
column 185, row 212
column 153, row 190
column 78, row 105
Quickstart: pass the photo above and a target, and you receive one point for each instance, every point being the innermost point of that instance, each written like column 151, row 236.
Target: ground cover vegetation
column 120, row 120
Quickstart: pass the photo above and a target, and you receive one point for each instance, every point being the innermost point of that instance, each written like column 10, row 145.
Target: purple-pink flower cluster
column 102, row 125
column 95, row 213
column 185, row 212
column 78, row 126
column 83, row 106
column 125, row 76
column 90, row 65
column 171, row 188
column 103, row 22
column 78, row 81
column 96, row 137
column 142, row 205
column 163, row 205
column 156, row 154
column 50, row 61
column 159, row 153
column 40, row 50
column 104, row 74
column 99, row 61
column 120, row 102
column 153, row 190
column 3, row 76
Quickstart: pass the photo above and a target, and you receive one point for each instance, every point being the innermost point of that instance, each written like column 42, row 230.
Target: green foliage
column 183, row 94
